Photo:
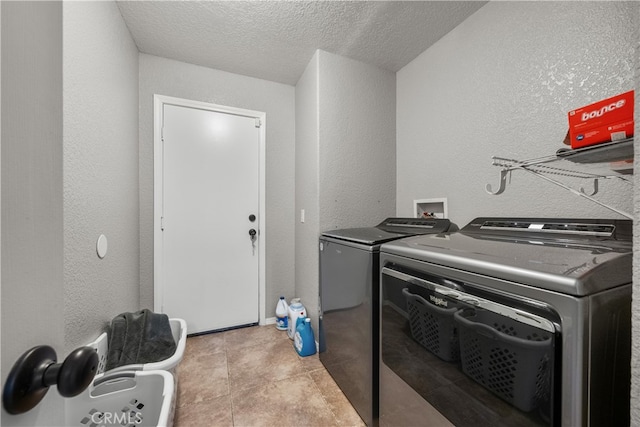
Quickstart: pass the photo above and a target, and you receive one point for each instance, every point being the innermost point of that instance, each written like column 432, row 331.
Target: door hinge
column 258, row 122
column 162, row 223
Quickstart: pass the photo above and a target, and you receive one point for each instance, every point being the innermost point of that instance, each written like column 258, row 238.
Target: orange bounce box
column 608, row 120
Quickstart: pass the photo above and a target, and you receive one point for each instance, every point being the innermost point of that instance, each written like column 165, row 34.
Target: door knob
column 37, row 369
column 252, row 233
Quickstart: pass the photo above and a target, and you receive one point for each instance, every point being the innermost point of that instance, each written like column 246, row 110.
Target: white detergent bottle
column 296, row 310
column 282, row 314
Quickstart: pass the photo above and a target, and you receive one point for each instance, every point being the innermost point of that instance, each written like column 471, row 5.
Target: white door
column 210, row 206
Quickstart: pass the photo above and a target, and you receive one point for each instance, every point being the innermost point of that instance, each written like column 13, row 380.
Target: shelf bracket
column 503, row 183
column 595, row 189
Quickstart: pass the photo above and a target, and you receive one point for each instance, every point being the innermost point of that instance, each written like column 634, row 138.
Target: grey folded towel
column 138, row 338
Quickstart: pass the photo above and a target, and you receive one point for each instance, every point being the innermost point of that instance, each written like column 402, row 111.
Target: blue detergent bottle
column 299, row 324
column 304, row 341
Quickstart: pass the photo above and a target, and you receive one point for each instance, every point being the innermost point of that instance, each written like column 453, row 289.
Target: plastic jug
column 304, row 341
column 296, row 310
column 299, row 321
column 282, row 314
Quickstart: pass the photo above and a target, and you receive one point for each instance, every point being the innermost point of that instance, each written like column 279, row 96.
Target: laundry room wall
column 357, row 103
column 32, row 194
column 345, row 156
column 100, row 168
column 178, row 79
column 307, row 188
column 635, row 350
column 501, row 84
column 69, row 173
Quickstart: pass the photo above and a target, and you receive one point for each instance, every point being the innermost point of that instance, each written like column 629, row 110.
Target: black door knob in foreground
column 36, row 370
column 75, row 373
column 252, row 232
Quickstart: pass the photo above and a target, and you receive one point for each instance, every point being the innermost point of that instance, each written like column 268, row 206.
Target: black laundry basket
column 432, row 324
column 508, row 357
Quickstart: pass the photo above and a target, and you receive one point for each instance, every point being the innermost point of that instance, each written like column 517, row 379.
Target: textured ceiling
column 274, row 40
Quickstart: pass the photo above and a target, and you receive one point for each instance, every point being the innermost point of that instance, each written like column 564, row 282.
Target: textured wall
column 172, row 78
column 307, row 198
column 1, row 377
column 100, row 168
column 345, row 156
column 635, row 340
column 357, row 143
column 501, row 84
column 32, row 228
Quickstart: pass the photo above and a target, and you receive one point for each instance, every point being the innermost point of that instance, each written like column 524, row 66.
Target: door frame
column 158, row 168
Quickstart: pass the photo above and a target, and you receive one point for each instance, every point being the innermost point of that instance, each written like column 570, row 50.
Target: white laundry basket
column 179, row 330
column 129, row 399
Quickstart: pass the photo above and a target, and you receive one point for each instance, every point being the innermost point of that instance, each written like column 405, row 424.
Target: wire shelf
column 613, row 160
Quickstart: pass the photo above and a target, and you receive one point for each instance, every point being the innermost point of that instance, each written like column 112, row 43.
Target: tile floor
column 254, row 377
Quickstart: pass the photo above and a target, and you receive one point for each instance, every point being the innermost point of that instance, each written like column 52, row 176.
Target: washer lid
column 367, row 236
column 570, row 266
column 390, row 229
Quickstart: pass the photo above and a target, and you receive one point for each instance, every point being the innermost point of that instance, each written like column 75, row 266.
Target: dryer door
column 469, row 358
